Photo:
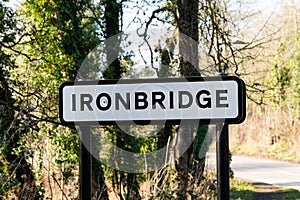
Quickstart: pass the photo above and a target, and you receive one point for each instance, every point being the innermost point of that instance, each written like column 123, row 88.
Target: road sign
column 141, row 101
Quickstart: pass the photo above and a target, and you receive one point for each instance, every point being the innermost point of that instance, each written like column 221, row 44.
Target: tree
column 112, row 20
column 207, row 24
column 187, row 23
column 16, row 173
column 56, row 36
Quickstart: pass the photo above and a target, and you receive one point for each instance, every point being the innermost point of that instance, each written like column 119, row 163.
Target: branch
column 144, row 35
column 24, row 54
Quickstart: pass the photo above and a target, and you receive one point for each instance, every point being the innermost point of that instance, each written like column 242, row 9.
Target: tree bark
column 187, row 22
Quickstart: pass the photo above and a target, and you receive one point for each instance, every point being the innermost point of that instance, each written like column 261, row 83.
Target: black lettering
column 86, row 99
column 189, row 95
column 220, row 98
column 119, row 98
column 208, row 100
column 105, row 104
column 171, row 100
column 73, row 102
column 141, row 97
column 158, row 97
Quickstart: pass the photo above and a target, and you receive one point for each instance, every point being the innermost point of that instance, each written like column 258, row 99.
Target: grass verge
column 291, row 194
column 241, row 190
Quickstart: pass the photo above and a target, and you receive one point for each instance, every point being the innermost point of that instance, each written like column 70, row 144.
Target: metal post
column 223, row 164
column 85, row 163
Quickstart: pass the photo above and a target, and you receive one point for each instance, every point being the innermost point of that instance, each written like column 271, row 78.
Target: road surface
column 278, row 173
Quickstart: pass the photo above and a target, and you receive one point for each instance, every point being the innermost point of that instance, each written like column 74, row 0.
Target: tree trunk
column 187, row 15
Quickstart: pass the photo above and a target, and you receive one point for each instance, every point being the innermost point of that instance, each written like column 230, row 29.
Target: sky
column 266, row 9
column 14, row 3
column 265, row 6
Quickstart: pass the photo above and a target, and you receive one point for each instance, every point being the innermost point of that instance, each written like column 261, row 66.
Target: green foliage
column 291, row 194
column 281, row 78
column 295, row 76
column 241, row 190
column 285, row 78
column 56, row 36
column 12, row 163
column 198, row 142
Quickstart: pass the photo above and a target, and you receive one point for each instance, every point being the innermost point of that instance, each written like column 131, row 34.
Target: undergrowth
column 271, row 133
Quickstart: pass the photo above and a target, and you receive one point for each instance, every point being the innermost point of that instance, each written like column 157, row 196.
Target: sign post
column 196, row 100
column 85, row 163
column 222, row 163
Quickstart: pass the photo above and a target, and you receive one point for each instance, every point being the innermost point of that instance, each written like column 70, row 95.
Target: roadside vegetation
column 242, row 190
column 272, row 126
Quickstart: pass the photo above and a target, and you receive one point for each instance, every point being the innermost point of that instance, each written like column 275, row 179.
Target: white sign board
column 197, row 100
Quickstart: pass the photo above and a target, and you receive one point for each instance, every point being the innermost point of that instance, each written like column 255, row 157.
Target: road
column 278, row 173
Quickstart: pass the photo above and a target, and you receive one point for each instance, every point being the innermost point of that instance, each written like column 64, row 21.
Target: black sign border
column 237, row 120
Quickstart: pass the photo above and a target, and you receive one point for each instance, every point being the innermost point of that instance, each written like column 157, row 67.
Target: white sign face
column 197, row 100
